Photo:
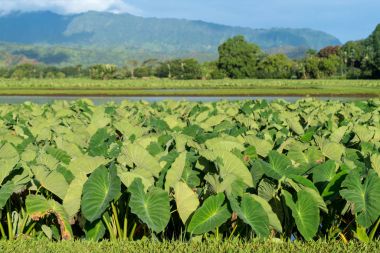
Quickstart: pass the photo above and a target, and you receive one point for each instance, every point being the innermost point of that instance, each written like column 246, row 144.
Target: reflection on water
column 102, row 100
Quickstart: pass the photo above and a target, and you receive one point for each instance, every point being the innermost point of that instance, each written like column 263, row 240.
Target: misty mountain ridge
column 140, row 37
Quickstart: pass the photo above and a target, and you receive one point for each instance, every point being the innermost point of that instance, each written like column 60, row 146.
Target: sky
column 345, row 19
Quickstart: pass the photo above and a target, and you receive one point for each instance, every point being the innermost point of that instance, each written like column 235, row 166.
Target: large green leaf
column 99, row 190
column 127, row 178
column 59, row 154
column 333, row 151
column 279, row 166
column 295, row 125
column 253, row 214
column 186, row 200
column 175, row 172
column 152, row 208
column 262, row 146
column 72, row 200
column 375, row 162
column 324, row 172
column 56, row 183
column 229, row 165
column 305, row 213
column 8, row 160
column 224, row 143
column 210, row 215
column 142, row 159
column 365, row 197
column 6, row 192
column 38, row 207
column 94, row 230
column 273, row 219
column 85, row 164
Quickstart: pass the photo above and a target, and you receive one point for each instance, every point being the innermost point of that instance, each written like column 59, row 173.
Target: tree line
column 238, row 59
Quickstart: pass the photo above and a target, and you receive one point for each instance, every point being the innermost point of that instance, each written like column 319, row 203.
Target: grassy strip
column 213, row 246
column 364, row 92
column 167, row 87
column 168, row 83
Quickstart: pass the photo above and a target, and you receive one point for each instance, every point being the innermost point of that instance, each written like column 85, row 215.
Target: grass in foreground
column 172, row 247
column 166, row 87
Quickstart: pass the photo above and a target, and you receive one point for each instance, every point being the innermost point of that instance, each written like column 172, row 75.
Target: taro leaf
column 186, row 200
column 295, row 126
column 324, row 172
column 365, row 197
column 230, row 165
column 337, row 134
column 142, row 159
column 262, row 146
column 191, row 177
column 306, row 185
column 273, row 219
column 333, row 151
column 333, row 186
column 375, row 163
column 174, row 174
column 258, row 170
column 210, row 215
column 309, row 157
column 38, row 207
column 47, row 231
column 72, row 200
column 85, row 164
column 128, row 177
column 99, row 190
column 99, row 143
column 252, row 213
column 279, row 166
column 59, row 154
column 153, row 207
column 266, row 189
column 94, row 230
column 305, row 213
column 6, row 192
column 8, row 160
column 29, row 154
column 363, row 133
column 224, row 143
column 56, row 183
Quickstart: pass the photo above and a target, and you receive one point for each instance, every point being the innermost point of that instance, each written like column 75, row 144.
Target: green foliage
column 277, row 66
column 212, row 214
column 190, row 171
column 99, row 190
column 375, row 37
column 365, row 198
column 152, row 207
column 103, row 71
column 239, row 58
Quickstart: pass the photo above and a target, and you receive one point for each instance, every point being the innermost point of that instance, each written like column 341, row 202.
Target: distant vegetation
column 238, row 59
column 96, row 37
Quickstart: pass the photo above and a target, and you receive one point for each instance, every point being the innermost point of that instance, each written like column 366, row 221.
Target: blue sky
column 346, row 19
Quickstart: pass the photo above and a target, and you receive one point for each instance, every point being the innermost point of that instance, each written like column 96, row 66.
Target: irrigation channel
column 117, row 99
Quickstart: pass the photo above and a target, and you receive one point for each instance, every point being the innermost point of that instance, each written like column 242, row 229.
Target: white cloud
column 67, row 6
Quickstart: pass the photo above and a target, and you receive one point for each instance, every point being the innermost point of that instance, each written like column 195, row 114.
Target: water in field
column 102, row 100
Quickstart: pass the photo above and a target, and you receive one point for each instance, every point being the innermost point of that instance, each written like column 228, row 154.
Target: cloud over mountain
column 67, row 6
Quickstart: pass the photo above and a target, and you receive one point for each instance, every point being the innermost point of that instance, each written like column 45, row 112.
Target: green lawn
column 173, row 247
column 166, row 87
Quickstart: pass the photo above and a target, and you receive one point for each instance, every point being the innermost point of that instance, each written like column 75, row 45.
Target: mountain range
column 97, row 37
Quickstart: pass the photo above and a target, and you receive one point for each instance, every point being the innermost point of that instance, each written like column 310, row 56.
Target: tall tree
column 239, row 58
column 375, row 37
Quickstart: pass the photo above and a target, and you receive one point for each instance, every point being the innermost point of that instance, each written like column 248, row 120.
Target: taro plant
column 174, row 170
